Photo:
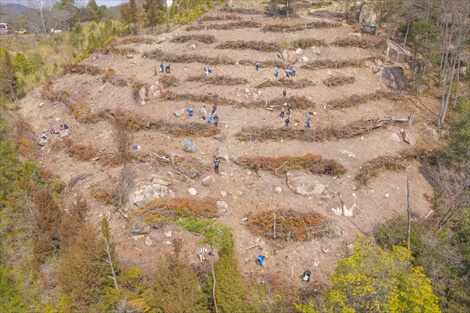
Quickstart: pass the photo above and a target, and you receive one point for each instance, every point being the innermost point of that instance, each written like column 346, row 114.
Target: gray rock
column 152, row 90
column 179, row 113
column 64, row 133
column 304, row 185
column 193, row 46
column 189, row 147
column 223, row 193
column 208, row 180
column 192, row 191
column 142, row 93
column 431, row 132
column 395, row 137
column 190, row 172
column 395, row 52
column 408, row 138
column 355, row 35
column 315, row 50
column 375, row 69
column 42, row 142
column 290, row 56
column 148, row 241
column 391, row 77
column 368, row 12
column 305, row 59
column 278, row 189
column 222, row 206
column 151, row 192
column 464, row 58
column 299, row 51
column 221, row 153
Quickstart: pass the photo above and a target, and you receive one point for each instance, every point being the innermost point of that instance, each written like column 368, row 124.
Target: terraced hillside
column 296, row 194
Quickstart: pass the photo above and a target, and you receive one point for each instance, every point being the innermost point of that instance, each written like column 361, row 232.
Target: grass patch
column 201, row 38
column 290, row 225
column 311, row 162
column 280, row 28
column 232, row 25
column 339, row 81
column 287, row 83
column 217, row 80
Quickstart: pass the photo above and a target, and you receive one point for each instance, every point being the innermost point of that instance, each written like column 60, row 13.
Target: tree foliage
column 458, row 148
column 375, row 280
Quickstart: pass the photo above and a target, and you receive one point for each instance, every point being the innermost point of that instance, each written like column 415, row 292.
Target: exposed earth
column 351, row 209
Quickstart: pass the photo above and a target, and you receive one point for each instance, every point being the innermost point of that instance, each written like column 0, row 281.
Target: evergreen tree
column 154, row 12
column 8, row 79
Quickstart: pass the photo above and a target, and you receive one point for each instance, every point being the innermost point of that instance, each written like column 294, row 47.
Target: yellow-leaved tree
column 377, row 280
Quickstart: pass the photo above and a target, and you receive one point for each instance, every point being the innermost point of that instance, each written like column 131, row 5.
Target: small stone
column 192, row 191
column 222, row 206
column 148, row 241
column 179, row 113
column 168, row 234
column 57, row 119
column 278, row 189
column 248, row 172
column 387, row 195
column 223, row 193
column 41, row 104
column 395, row 137
column 351, row 246
column 208, row 180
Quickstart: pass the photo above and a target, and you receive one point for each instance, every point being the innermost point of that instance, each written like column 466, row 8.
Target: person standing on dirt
column 167, row 69
column 287, row 73
column 308, row 122
column 216, row 120
column 214, row 108
column 206, row 71
column 260, row 259
column 162, row 67
column 276, row 72
column 216, row 165
column 306, row 276
column 289, row 110
column 293, row 71
column 257, row 66
column 203, row 112
column 209, row 118
column 190, row 112
column 284, row 93
column 287, row 121
column 283, row 110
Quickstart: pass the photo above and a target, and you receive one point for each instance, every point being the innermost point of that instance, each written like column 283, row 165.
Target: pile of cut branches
column 253, row 45
column 287, row 83
column 296, row 102
column 339, row 80
column 225, row 17
column 307, row 43
column 118, row 50
column 135, row 39
column 184, row 130
column 279, row 28
column 201, row 38
column 188, row 58
column 334, row 64
column 358, row 99
column 217, row 80
column 208, row 98
column 80, row 68
column 233, row 25
column 311, row 162
column 354, row 129
column 288, row 225
column 170, row 210
column 168, row 81
column 360, row 43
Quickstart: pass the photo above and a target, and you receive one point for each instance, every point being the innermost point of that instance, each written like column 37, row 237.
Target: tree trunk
column 406, row 34
column 110, row 262
column 213, row 286
column 287, row 8
column 457, row 84
column 408, row 206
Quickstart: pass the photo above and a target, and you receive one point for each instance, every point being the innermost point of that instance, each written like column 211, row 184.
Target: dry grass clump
column 307, row 43
column 119, row 50
column 209, row 98
column 217, row 80
column 360, row 43
column 334, row 64
column 289, row 225
column 208, row 18
column 135, row 39
column 253, row 45
column 311, row 162
column 82, row 152
column 297, row 102
column 201, row 38
column 168, row 81
column 298, row 27
column 358, row 99
column 188, row 58
column 79, row 68
column 354, row 129
column 339, row 81
column 173, row 209
column 111, row 77
column 184, row 130
column 287, row 83
column 233, row 25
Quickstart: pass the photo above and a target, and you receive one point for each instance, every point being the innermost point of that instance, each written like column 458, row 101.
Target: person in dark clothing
column 293, row 71
column 284, row 93
column 276, row 72
column 190, row 112
column 161, row 68
column 260, row 260
column 214, row 108
column 287, row 121
column 283, row 110
column 306, row 276
column 308, row 123
column 215, row 118
column 257, row 65
column 167, row 69
column 216, row 165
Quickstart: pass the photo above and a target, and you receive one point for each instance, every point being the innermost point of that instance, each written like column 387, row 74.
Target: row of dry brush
column 288, row 225
column 372, row 42
column 218, row 80
column 118, row 50
column 296, row 102
column 351, row 130
column 79, row 68
column 339, row 81
column 201, row 38
column 298, row 27
column 232, row 25
column 170, row 210
column 354, row 100
column 270, row 46
column 287, row 83
column 311, row 162
column 225, row 17
column 168, row 81
column 135, row 39
column 319, row 64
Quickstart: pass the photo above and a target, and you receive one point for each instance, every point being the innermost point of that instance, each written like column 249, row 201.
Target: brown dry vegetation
column 233, row 25
column 170, row 210
column 338, row 81
column 287, row 83
column 168, row 81
column 118, row 50
column 201, row 38
column 298, row 27
column 135, row 39
column 358, row 99
column 311, row 162
column 80, row 68
column 373, row 42
column 207, row 18
column 335, row 64
column 110, row 76
column 290, row 225
column 270, row 46
column 354, row 129
column 217, row 80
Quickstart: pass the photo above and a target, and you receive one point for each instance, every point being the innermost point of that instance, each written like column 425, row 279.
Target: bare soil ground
column 247, row 192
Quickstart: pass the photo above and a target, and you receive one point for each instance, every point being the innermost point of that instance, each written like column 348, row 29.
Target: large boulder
column 395, row 52
column 151, row 192
column 290, row 56
column 189, row 146
column 367, row 12
column 391, row 77
column 221, row 153
column 304, row 185
column 190, row 172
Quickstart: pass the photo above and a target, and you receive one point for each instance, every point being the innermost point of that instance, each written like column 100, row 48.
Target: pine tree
column 154, row 12
column 8, row 79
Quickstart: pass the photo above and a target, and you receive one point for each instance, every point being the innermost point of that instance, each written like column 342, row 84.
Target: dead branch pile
column 217, row 80
column 287, row 83
column 253, row 45
column 168, row 81
column 334, row 64
column 188, row 58
column 360, row 43
column 311, row 162
column 233, row 25
column 201, row 38
column 184, row 130
column 307, row 43
column 135, row 39
column 110, row 76
column 267, row 63
column 79, row 68
column 358, row 99
column 209, row 98
column 170, row 210
column 339, row 80
column 298, row 27
column 297, row 102
column 354, row 129
column 208, row 18
column 118, row 50
column 288, row 225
